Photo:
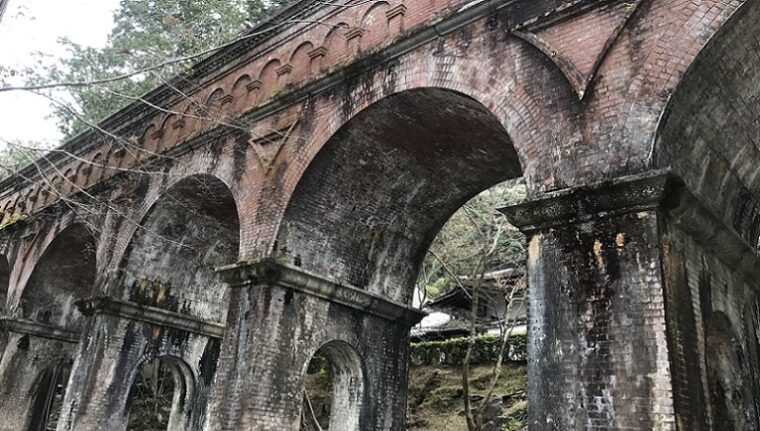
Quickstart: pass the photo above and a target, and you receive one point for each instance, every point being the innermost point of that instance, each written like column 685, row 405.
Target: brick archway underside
column 376, row 194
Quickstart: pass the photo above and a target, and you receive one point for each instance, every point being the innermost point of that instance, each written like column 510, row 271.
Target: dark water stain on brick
column 209, row 360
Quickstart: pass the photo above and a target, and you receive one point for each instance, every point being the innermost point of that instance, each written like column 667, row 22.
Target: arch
column 63, row 274
column 214, row 99
column 182, row 387
column 80, row 173
column 30, row 198
column 68, row 181
column 708, row 132
column 239, row 87
column 347, row 374
column 167, row 132
column 387, row 164
column 301, row 61
column 166, row 122
column 729, row 380
column 242, row 92
column 268, row 77
column 114, row 159
column 375, row 22
column 148, row 141
column 96, row 168
column 170, row 262
column 55, row 190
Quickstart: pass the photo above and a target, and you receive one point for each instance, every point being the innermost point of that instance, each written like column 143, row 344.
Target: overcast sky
column 35, row 25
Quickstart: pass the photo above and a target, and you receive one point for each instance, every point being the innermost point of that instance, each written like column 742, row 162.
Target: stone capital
column 271, row 272
column 640, row 192
column 659, row 190
column 42, row 330
column 147, row 314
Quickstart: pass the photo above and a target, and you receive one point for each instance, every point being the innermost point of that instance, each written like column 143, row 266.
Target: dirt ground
column 436, row 401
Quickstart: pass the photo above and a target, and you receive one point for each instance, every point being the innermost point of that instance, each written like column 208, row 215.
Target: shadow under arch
column 729, row 380
column 48, row 396
column 182, row 383
column 5, row 280
column 707, row 134
column 64, row 274
column 373, row 198
column 170, row 262
column 346, row 371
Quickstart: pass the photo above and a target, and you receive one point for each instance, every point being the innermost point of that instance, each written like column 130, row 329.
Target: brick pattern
column 25, row 360
column 597, row 328
column 108, row 360
column 713, row 336
column 709, row 136
column 260, row 353
column 330, row 174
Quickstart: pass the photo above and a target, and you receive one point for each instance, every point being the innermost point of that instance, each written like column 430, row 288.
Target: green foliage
column 14, row 156
column 151, row 398
column 452, row 352
column 146, row 33
column 476, row 239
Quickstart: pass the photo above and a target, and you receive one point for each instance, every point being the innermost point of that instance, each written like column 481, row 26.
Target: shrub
column 452, row 352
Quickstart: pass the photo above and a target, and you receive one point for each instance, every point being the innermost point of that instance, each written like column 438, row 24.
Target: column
column 280, row 316
column 35, row 356
column 598, row 342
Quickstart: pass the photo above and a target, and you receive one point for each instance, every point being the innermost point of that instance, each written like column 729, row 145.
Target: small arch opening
column 333, row 389
column 159, row 396
column 48, row 398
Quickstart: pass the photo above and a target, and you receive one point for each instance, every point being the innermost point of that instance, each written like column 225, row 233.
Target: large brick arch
column 188, row 231
column 378, row 191
column 64, row 274
column 709, row 134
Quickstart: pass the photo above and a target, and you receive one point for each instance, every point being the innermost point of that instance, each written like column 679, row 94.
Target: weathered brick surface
column 598, row 344
column 25, row 361
column 265, row 355
column 713, row 320
column 358, row 139
column 106, row 366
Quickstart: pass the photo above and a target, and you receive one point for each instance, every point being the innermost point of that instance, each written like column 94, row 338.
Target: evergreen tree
column 146, row 32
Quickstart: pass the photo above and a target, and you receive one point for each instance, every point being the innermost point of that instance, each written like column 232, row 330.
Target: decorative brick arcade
column 281, row 205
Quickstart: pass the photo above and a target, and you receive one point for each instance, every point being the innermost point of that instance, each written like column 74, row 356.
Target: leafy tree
column 15, row 155
column 477, row 238
column 146, row 32
column 475, row 241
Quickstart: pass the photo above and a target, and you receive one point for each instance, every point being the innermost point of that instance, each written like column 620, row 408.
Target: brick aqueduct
column 278, row 199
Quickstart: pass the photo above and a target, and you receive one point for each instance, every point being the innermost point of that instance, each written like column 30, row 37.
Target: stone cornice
column 633, row 193
column 28, row 327
column 658, row 190
column 147, row 314
column 271, row 272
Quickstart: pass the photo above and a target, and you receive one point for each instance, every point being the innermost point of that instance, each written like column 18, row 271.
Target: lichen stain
column 533, row 248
